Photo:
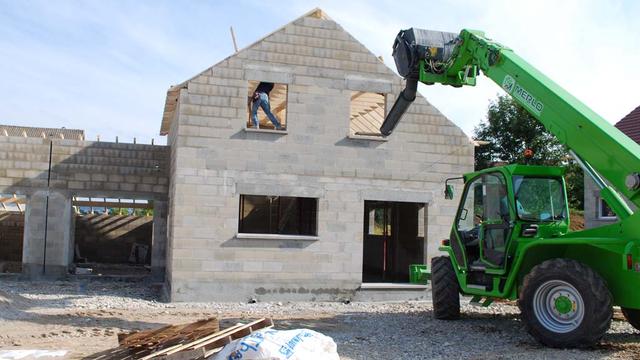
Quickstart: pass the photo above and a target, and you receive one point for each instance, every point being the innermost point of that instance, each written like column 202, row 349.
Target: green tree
column 509, row 130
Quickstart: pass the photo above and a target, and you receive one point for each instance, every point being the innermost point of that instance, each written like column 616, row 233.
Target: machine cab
column 504, row 204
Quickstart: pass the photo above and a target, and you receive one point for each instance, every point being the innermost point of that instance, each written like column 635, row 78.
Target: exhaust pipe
column 406, row 97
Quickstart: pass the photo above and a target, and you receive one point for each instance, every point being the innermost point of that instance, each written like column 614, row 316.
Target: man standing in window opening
column 261, row 99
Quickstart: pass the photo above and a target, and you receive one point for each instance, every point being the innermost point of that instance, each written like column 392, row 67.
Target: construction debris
column 193, row 341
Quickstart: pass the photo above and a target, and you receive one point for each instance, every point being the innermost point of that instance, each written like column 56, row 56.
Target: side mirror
column 448, row 192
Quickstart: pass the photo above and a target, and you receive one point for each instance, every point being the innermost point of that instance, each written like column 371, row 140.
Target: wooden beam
column 113, row 204
column 17, row 200
column 357, row 95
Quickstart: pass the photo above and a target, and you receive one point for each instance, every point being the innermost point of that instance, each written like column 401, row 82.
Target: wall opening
column 112, row 236
column 394, row 234
column 604, row 212
column 368, row 110
column 12, row 208
column 267, row 105
column 278, row 215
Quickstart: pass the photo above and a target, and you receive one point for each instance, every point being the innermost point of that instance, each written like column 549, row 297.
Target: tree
column 509, row 130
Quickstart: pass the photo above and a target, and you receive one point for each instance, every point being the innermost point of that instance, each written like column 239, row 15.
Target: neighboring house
column 596, row 210
column 320, row 209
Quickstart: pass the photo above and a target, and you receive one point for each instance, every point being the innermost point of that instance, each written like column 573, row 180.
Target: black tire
column 592, row 293
column 444, row 289
column 632, row 316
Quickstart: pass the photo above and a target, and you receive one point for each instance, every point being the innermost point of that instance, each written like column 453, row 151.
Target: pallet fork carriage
column 510, row 238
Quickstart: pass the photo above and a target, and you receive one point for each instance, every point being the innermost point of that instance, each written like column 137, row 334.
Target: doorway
column 112, row 236
column 12, row 209
column 393, row 240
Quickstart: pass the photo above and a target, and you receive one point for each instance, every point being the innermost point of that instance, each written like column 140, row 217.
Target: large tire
column 565, row 304
column 632, row 316
column 444, row 289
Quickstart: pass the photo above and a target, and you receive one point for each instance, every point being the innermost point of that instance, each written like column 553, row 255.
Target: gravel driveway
column 84, row 318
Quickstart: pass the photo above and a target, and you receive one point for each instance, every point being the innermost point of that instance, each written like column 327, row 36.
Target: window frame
column 599, row 202
column 277, row 236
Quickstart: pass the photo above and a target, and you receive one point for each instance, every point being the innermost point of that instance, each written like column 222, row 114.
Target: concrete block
column 368, row 84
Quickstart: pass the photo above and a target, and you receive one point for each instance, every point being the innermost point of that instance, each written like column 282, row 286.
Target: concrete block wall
column 215, row 160
column 591, row 203
column 83, row 167
column 78, row 168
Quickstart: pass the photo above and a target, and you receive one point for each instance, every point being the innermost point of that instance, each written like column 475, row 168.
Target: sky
column 105, row 66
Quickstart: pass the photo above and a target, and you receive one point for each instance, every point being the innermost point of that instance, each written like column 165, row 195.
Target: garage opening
column 394, row 234
column 112, row 236
column 12, row 209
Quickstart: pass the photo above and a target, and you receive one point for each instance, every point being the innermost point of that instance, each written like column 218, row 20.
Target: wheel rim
column 558, row 306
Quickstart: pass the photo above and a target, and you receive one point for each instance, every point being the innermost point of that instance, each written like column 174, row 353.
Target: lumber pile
column 193, row 341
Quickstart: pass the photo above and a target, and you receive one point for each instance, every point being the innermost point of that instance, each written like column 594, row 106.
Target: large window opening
column 394, row 234
column 113, row 236
column 367, row 113
column 278, row 215
column 12, row 208
column 267, row 105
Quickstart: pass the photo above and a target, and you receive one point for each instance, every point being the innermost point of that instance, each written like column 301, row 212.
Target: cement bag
column 269, row 344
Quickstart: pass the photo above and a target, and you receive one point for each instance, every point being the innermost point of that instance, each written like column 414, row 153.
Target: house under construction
column 323, row 208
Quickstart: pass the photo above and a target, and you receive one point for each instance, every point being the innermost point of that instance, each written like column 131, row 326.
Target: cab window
column 485, row 200
column 539, row 198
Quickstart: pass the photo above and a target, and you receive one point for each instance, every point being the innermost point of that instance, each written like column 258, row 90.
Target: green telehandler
column 510, row 238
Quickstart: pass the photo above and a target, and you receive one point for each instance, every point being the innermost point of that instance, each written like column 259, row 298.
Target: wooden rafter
column 19, row 202
column 367, row 112
column 113, row 204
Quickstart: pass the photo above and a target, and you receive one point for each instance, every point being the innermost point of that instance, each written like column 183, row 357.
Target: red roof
column 630, row 125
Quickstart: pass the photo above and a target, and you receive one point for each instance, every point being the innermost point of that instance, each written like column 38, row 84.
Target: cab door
column 496, row 225
column 495, row 229
column 484, row 222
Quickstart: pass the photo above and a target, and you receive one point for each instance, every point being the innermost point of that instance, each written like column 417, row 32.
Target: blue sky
column 105, row 66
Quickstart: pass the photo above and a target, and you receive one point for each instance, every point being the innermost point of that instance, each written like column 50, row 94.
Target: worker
column 261, row 99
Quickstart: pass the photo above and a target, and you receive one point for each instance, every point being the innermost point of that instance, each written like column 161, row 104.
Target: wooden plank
column 137, row 345
column 142, row 344
column 237, row 334
column 186, row 355
column 113, row 204
column 219, row 340
column 14, row 199
column 128, row 339
column 219, row 334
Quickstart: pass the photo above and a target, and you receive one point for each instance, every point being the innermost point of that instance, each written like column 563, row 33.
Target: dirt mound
column 12, row 307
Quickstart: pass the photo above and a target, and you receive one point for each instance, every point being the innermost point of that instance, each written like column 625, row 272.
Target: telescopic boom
column 456, row 59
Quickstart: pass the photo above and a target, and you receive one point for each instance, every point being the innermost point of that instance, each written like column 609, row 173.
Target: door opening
column 393, row 240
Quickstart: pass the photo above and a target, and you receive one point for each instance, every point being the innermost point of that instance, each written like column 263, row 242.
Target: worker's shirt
column 264, row 87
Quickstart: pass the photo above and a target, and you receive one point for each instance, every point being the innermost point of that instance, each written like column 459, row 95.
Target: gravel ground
column 84, row 318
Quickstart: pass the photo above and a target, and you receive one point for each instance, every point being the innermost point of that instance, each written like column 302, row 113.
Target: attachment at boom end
column 410, row 47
